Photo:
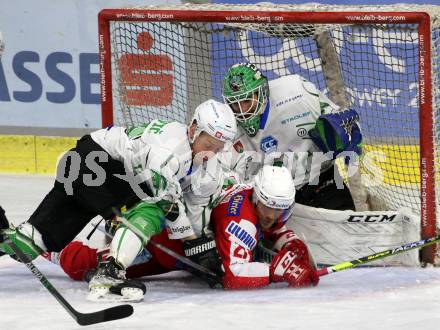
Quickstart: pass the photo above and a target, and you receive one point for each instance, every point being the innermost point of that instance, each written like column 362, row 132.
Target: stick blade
column 109, row 314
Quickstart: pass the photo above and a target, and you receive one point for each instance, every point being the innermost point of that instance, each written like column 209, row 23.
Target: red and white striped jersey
column 237, row 233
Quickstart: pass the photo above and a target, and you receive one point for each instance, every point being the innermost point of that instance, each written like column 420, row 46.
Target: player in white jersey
column 289, row 121
column 244, row 217
column 139, row 168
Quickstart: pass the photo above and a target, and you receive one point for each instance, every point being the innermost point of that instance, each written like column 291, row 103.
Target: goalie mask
column 246, row 91
column 216, row 119
column 274, row 187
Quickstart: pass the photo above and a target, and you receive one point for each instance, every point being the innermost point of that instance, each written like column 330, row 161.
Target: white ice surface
column 371, row 298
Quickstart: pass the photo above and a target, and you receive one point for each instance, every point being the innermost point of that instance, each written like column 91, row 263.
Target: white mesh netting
column 164, row 69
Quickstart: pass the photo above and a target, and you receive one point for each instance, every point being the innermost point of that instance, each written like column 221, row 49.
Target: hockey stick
column 268, row 254
column 177, row 256
column 379, row 255
column 109, row 314
column 183, row 259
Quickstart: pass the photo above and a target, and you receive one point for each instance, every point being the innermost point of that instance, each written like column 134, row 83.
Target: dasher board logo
column 268, row 144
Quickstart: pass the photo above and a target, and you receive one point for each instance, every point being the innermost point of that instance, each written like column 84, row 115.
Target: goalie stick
column 267, row 255
column 109, row 314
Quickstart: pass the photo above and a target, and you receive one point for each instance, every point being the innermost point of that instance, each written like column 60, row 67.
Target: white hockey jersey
column 159, row 146
column 157, row 153
column 293, row 108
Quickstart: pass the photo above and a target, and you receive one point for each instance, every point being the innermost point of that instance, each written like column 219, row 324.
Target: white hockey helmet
column 274, row 187
column 216, row 119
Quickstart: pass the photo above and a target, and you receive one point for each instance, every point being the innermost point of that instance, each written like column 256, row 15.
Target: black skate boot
column 109, row 283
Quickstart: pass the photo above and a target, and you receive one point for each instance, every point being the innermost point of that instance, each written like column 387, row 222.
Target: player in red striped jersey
column 244, row 215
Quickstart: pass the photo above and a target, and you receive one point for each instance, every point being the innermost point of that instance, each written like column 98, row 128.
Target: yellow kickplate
column 32, row 154
column 397, row 165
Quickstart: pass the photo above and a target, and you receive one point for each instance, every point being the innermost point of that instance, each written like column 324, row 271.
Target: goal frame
column 422, row 19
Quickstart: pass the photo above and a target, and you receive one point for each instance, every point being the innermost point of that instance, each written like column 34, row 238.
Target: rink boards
column 399, row 165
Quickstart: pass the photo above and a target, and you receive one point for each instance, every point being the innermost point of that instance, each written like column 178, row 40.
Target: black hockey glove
column 203, row 251
column 4, row 224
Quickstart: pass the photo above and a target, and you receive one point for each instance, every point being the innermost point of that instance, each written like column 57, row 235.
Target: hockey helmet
column 216, row 119
column 274, row 187
column 244, row 82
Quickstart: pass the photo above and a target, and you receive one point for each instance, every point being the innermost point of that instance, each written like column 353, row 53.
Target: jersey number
column 241, row 253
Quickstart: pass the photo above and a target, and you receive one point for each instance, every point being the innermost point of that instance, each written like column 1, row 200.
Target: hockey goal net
column 161, row 62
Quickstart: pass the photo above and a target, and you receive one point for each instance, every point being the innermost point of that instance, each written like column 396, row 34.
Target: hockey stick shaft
column 109, row 314
column 379, row 255
column 364, row 260
column 183, row 259
column 177, row 256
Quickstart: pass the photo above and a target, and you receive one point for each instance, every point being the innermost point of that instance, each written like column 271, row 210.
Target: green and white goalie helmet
column 246, row 91
column 274, row 187
column 216, row 119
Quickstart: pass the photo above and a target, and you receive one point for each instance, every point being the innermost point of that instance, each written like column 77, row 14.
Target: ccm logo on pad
column 371, row 218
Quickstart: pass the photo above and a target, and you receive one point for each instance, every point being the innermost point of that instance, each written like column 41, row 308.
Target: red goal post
column 160, row 61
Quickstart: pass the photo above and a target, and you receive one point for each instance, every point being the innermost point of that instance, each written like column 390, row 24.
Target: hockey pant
column 60, row 217
column 326, row 194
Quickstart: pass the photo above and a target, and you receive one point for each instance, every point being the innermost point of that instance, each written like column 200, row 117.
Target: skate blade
column 104, row 295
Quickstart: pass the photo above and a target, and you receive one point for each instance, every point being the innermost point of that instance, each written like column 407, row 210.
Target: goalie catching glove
column 203, row 251
column 292, row 265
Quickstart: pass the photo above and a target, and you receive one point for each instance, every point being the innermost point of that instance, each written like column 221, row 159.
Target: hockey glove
column 292, row 265
column 76, row 259
column 338, row 132
column 203, row 251
column 3, row 220
column 4, row 229
column 25, row 243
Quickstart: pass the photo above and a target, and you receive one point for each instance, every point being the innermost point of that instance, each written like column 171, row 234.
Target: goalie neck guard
column 274, row 187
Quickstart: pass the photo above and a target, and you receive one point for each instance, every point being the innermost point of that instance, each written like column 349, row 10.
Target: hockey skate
column 109, row 284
